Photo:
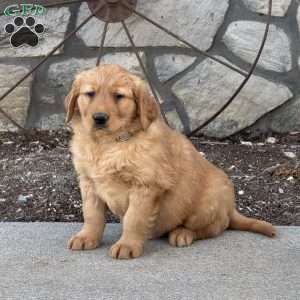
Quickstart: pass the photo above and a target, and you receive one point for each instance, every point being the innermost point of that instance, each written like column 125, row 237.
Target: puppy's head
column 109, row 99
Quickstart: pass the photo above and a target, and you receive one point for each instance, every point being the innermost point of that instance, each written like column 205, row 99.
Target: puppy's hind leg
column 184, row 235
column 181, row 237
column 205, row 222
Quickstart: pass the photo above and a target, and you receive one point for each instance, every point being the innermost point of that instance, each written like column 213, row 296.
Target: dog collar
column 124, row 137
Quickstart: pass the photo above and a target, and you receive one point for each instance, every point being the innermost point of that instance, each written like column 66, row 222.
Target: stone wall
column 191, row 87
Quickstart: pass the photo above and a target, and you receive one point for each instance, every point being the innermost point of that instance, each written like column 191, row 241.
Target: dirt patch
column 38, row 182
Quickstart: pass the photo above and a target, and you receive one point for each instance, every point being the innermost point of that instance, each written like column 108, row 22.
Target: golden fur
column 155, row 181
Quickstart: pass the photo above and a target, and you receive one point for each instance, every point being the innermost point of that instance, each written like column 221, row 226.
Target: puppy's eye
column 119, row 96
column 91, row 94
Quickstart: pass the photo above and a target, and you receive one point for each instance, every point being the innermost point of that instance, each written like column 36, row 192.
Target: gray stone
column 47, row 98
column 209, row 86
column 271, row 140
column 243, row 38
column 197, row 21
column 36, row 264
column 61, row 75
column 290, row 155
column 286, row 118
column 55, row 21
column 24, row 199
column 52, row 122
column 15, row 104
column 298, row 20
column 169, row 65
column 174, row 120
column 279, row 7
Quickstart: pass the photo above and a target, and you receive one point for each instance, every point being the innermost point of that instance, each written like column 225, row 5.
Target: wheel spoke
column 241, row 72
column 102, row 44
column 245, row 80
column 52, row 52
column 143, row 68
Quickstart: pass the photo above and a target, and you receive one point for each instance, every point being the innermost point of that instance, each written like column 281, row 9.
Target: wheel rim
column 112, row 11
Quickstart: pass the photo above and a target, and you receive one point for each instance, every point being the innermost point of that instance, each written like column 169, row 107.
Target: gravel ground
column 38, row 183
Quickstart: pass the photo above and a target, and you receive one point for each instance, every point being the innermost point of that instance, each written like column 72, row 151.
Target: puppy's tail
column 240, row 222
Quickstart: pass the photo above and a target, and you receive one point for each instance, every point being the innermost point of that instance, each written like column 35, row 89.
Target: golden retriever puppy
column 128, row 160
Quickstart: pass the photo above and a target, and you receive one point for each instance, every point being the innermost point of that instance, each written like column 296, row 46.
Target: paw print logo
column 24, row 31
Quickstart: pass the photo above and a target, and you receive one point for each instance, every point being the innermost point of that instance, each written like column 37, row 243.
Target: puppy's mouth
column 100, row 127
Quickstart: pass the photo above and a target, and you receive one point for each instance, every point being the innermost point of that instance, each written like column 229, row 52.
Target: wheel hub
column 113, row 11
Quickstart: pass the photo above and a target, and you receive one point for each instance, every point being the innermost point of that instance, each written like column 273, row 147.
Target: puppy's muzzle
column 100, row 119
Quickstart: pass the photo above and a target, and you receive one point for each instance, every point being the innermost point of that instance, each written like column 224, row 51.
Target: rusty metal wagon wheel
column 112, row 11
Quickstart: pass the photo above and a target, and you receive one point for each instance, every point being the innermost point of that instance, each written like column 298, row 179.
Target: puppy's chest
column 114, row 172
column 113, row 179
column 114, row 194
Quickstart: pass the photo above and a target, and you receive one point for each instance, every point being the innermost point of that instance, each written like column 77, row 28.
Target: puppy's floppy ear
column 71, row 101
column 148, row 109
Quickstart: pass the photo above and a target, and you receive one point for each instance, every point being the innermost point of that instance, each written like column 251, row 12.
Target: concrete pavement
column 35, row 264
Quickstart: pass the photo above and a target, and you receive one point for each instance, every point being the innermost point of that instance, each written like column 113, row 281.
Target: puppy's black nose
column 100, row 118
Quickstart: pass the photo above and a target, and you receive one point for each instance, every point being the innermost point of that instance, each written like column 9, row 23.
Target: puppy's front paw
column 83, row 242
column 126, row 250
